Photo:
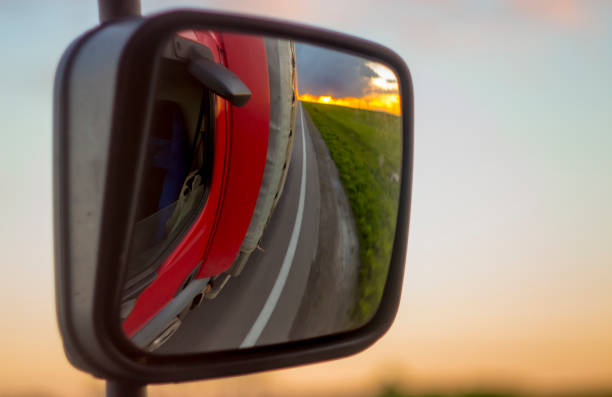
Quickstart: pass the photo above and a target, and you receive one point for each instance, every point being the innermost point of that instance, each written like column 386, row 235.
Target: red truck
column 216, row 166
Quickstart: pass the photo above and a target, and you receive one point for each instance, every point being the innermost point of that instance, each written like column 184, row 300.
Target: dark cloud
column 327, row 72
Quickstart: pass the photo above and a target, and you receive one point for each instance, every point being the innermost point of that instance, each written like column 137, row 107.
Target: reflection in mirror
column 269, row 195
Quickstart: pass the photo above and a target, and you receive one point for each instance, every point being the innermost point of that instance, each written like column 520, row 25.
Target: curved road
column 269, row 303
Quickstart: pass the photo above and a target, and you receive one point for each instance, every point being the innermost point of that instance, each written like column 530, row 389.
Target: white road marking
column 279, row 284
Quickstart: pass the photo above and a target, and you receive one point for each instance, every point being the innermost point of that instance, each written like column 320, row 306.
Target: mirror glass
column 268, row 198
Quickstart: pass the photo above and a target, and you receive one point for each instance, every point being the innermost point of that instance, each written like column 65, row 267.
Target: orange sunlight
column 389, row 103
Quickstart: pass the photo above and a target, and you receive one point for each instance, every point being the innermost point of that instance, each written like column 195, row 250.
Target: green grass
column 366, row 147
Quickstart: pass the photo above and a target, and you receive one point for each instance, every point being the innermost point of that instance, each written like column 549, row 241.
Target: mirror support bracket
column 109, row 10
column 118, row 388
column 220, row 80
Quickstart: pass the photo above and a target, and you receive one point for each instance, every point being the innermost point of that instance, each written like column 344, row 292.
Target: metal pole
column 116, row 388
column 117, row 9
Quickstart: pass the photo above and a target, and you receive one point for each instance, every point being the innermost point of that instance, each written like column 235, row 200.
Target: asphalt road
column 272, row 297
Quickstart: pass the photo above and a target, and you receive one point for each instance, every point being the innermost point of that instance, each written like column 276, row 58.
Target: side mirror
column 232, row 195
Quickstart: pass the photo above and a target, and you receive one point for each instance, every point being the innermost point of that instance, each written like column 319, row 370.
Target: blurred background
column 508, row 285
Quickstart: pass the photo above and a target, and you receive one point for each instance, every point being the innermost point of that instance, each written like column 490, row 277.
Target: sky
column 334, row 77
column 509, row 269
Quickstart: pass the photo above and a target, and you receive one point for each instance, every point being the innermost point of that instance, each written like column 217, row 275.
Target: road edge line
column 266, row 312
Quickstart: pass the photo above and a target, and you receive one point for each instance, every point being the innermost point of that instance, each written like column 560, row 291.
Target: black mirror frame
column 92, row 341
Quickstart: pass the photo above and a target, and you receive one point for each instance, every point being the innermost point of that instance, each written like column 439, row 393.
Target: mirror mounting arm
column 109, row 10
column 118, row 388
column 220, row 80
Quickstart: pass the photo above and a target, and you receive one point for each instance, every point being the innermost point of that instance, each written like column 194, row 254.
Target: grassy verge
column 366, row 147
